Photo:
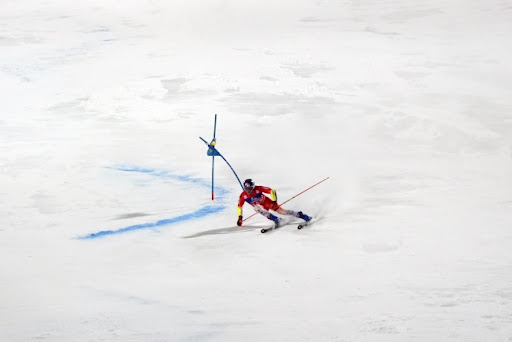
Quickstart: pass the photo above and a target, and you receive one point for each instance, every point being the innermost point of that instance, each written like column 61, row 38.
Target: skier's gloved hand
column 239, row 222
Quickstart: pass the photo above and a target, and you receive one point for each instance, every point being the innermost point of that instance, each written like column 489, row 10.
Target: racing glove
column 239, row 222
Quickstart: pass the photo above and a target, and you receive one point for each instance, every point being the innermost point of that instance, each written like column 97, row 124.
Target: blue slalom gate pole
column 213, row 143
column 213, row 177
column 213, row 152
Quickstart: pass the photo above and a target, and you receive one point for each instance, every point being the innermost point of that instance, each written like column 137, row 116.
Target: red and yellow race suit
column 257, row 198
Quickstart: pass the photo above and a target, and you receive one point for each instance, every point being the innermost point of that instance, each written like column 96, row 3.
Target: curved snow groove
column 200, row 213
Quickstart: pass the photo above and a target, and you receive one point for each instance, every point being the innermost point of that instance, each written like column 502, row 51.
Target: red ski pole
column 300, row 193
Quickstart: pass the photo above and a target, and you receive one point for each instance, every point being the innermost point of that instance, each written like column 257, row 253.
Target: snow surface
column 107, row 229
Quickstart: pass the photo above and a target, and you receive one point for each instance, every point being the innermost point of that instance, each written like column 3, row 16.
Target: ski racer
column 254, row 195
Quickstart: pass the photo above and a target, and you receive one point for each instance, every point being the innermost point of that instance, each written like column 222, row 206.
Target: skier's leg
column 266, row 213
column 270, row 205
column 284, row 211
column 298, row 214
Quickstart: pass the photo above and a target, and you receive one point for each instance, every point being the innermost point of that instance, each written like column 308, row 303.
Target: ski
column 305, row 224
column 264, row 230
column 299, row 226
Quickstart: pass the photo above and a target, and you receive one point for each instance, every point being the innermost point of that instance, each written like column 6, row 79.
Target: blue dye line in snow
column 205, row 211
column 202, row 212
column 169, row 175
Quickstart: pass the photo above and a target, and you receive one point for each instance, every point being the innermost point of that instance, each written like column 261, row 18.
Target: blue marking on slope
column 205, row 211
column 219, row 191
column 200, row 213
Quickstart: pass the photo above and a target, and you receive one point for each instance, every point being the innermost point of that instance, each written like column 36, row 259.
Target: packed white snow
column 108, row 231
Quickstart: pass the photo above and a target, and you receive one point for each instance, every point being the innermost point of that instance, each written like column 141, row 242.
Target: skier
column 262, row 204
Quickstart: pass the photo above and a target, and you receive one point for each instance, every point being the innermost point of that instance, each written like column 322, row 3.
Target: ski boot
column 274, row 218
column 303, row 216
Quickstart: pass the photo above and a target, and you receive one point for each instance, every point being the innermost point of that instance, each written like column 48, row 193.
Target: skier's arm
column 240, row 217
column 239, row 210
column 267, row 190
column 273, row 195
